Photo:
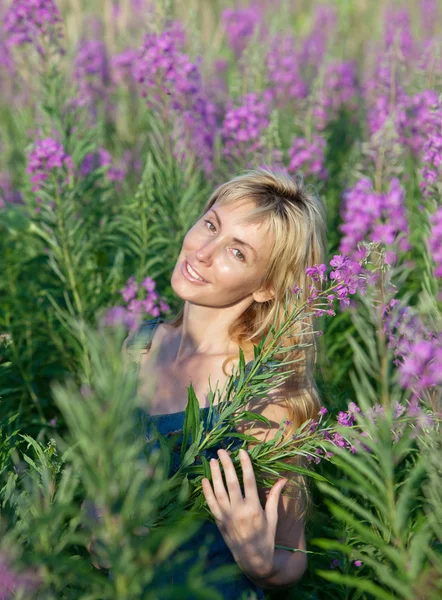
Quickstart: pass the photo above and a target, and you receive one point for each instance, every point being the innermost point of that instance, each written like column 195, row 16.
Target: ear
column 264, row 295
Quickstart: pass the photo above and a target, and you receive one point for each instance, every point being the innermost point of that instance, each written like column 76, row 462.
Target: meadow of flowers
column 118, row 118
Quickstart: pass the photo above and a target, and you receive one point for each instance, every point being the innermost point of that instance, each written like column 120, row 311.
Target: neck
column 204, row 330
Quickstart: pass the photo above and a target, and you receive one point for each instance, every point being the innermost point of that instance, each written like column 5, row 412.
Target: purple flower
column 240, row 24
column 308, row 155
column 26, row 21
column 102, row 158
column 121, row 66
column 130, row 290
column 150, row 301
column 435, row 241
column 369, row 216
column 421, row 120
column 315, row 45
column 118, row 315
column 161, row 70
column 164, row 307
column 194, row 132
column 431, row 158
column 338, row 89
column 92, row 71
column 11, row 581
column 317, row 272
column 397, row 28
column 283, row 68
column 418, row 351
column 243, row 127
column 385, row 98
column 357, row 563
column 7, row 194
column 149, row 284
column 46, row 156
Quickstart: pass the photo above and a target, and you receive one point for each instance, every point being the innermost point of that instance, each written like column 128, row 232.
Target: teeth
column 192, row 272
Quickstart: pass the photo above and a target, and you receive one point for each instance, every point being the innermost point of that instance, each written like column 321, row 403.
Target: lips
column 186, row 272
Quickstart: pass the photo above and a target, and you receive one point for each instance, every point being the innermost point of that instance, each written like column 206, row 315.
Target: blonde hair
column 296, row 219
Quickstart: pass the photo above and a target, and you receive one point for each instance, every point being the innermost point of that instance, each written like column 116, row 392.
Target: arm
column 288, row 566
column 250, row 529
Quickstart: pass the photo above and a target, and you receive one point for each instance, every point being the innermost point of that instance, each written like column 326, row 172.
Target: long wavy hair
column 296, row 219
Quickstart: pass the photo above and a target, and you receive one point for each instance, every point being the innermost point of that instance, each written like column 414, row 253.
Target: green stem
column 72, row 279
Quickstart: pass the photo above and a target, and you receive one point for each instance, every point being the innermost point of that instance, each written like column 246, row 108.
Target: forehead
column 256, row 234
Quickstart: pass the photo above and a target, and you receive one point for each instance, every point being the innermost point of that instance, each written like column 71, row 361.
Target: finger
column 233, row 486
column 271, row 508
column 210, row 499
column 218, row 484
column 248, row 476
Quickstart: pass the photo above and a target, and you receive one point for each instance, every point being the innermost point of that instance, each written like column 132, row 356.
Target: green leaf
column 192, row 419
column 408, row 493
column 206, row 467
column 358, row 582
column 242, row 366
column 352, row 504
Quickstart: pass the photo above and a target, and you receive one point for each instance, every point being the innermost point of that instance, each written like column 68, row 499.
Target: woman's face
column 229, row 256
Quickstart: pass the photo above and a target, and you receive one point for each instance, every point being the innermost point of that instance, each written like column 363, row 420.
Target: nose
column 205, row 252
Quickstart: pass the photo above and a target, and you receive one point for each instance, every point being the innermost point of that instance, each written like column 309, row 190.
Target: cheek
column 193, row 238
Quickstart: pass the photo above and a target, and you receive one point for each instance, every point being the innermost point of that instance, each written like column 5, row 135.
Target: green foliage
column 103, row 460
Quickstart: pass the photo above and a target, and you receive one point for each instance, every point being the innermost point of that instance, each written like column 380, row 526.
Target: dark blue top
column 218, row 552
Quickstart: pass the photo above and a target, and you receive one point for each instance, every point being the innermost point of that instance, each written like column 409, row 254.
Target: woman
column 252, row 243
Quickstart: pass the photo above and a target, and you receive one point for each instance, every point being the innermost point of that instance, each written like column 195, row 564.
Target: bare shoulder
column 273, row 407
column 133, row 352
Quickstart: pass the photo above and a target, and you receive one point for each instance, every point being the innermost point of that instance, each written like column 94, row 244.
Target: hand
column 248, row 529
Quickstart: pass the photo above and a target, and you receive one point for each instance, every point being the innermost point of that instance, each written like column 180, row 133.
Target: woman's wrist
column 287, row 568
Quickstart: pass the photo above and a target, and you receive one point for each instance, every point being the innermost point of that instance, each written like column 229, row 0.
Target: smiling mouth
column 193, row 273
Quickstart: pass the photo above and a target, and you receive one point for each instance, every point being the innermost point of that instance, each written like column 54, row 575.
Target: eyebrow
column 236, row 240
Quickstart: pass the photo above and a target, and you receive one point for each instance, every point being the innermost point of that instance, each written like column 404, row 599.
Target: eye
column 210, row 223
column 240, row 256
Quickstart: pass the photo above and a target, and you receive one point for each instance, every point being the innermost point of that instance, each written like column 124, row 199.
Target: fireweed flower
column 432, row 154
column 162, row 69
column 102, row 158
column 27, row 21
column 142, row 300
column 375, row 217
column 7, row 193
column 435, row 241
column 243, row 127
column 283, row 72
column 417, row 350
column 118, row 315
column 421, row 120
column 11, row 582
column 316, row 43
column 397, row 29
column 194, row 131
column 47, row 158
column 92, row 71
column 121, row 66
column 338, row 90
column 308, row 156
column 240, row 25
column 346, row 277
column 429, row 17
column 385, row 98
